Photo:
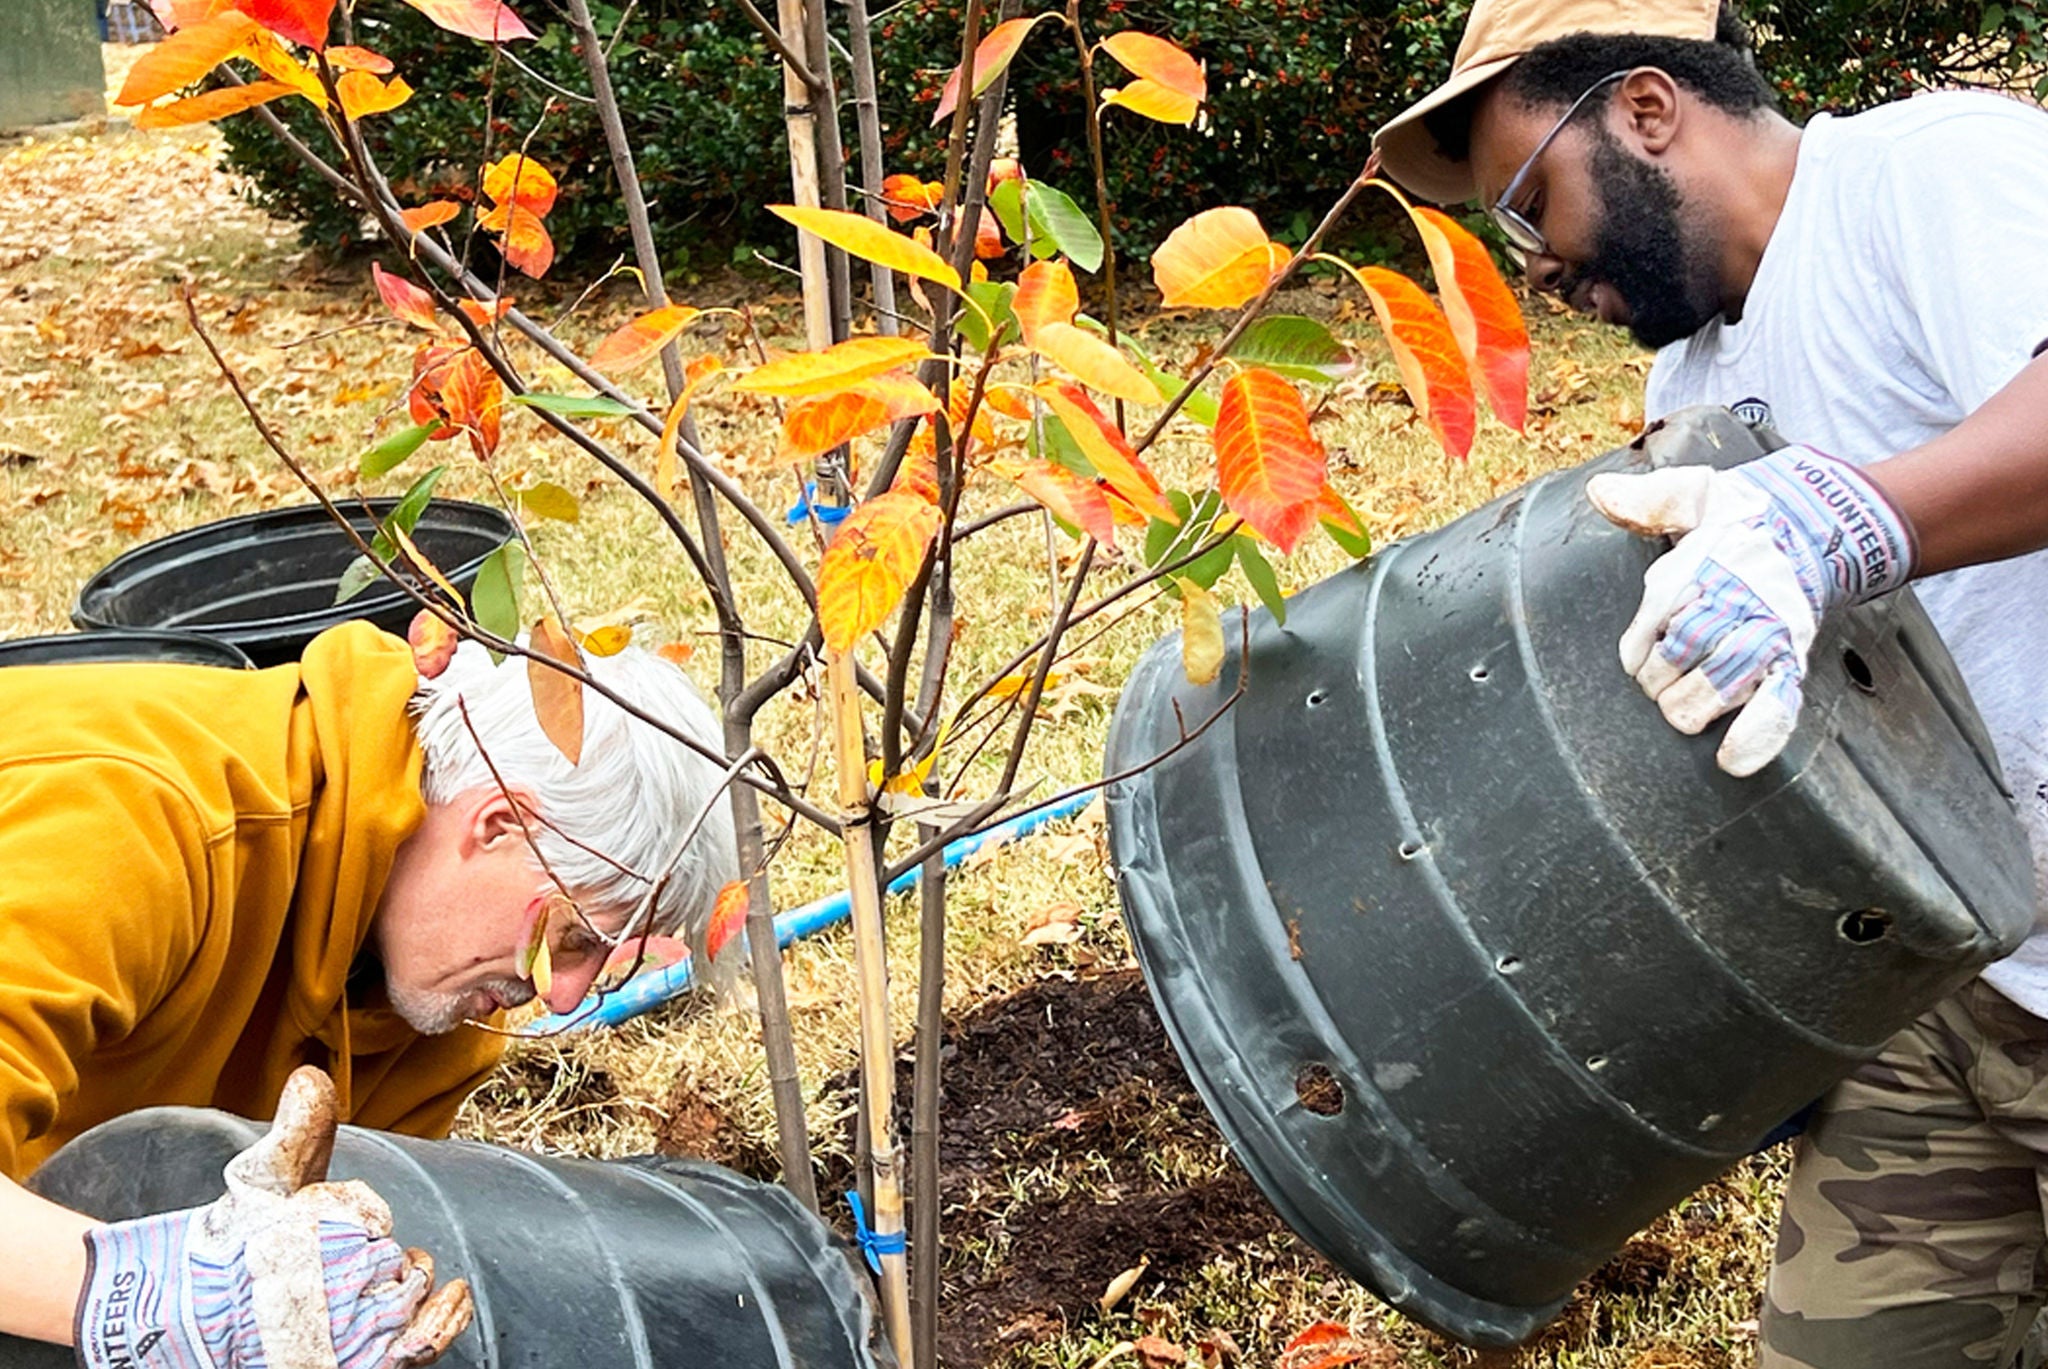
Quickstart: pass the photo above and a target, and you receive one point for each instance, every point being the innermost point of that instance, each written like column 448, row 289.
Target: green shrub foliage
column 1295, row 89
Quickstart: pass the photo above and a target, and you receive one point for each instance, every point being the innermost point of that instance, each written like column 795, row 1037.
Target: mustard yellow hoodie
column 189, row 861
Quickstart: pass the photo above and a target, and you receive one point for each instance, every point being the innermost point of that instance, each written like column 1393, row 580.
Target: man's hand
column 1765, row 552
column 286, row 1271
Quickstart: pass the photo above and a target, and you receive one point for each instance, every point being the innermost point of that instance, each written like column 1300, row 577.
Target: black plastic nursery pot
column 573, row 1264
column 123, row 644
column 266, row 581
column 1478, row 963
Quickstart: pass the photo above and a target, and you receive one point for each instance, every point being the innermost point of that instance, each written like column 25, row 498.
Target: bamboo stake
column 877, row 1043
column 800, row 119
column 868, row 115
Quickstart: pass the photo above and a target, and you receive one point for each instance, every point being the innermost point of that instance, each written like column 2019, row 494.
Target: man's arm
column 43, row 1251
column 1979, row 492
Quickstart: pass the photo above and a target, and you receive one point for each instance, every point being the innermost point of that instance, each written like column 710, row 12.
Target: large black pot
column 1479, row 964
column 574, row 1264
column 123, row 644
column 266, row 581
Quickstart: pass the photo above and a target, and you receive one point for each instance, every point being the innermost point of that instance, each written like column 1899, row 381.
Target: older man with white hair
column 216, row 879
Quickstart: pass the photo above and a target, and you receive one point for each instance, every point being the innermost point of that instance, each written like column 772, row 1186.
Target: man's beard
column 1642, row 251
column 430, row 1012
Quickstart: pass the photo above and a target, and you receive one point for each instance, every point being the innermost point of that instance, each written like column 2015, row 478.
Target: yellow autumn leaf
column 557, row 698
column 1201, row 634
column 607, row 641
column 835, row 368
column 1216, row 260
column 1153, row 101
column 869, row 564
column 213, row 104
column 1093, row 362
column 861, row 236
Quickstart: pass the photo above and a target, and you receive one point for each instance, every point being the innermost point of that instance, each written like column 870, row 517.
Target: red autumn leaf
column 1482, row 311
column 302, row 21
column 404, row 299
column 1432, row 368
column 1107, row 450
column 638, row 342
column 430, row 215
column 869, row 564
column 728, row 918
column 557, row 698
column 1270, row 465
column 488, row 20
column 1326, row 1345
column 642, row 954
column 991, row 56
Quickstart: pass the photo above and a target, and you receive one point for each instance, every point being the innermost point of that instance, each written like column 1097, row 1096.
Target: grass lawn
column 1075, row 1148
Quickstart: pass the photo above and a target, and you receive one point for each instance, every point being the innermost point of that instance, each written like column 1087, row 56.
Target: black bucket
column 574, row 1264
column 1479, row 964
column 266, row 581
column 123, row 644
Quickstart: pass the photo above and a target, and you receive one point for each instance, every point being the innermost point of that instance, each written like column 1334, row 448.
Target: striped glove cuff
column 1846, row 539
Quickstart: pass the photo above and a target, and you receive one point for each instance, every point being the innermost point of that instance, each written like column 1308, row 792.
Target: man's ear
column 1651, row 108
column 493, row 817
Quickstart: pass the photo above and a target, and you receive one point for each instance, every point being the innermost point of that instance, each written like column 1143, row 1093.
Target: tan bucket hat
column 1496, row 35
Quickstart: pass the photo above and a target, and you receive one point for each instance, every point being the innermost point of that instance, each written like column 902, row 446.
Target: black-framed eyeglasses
column 1525, row 239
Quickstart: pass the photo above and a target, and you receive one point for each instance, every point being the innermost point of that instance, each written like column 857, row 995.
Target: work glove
column 285, row 1271
column 1765, row 552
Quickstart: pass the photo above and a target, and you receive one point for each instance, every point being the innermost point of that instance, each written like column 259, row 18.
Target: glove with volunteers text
column 1765, row 551
column 285, row 1271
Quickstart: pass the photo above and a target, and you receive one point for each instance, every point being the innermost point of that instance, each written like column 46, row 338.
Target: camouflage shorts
column 1913, row 1236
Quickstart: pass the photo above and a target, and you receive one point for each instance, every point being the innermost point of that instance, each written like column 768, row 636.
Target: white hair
column 630, row 797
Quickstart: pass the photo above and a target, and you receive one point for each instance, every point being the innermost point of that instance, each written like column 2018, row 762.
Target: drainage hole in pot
column 1596, row 1063
column 1509, row 964
column 1409, row 850
column 1479, row 674
column 1864, row 925
column 1859, row 670
column 1318, row 697
column 1318, row 1090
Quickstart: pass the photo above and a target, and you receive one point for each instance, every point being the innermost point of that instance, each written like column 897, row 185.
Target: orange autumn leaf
column 475, row 400
column 1046, row 293
column 211, row 105
column 991, row 56
column 430, row 215
column 557, row 698
column 1007, row 402
column 906, row 197
column 695, row 374
column 405, row 300
column 277, row 62
column 957, row 399
column 1106, row 449
column 637, row 342
column 526, row 244
column 728, row 917
column 363, row 94
column 430, row 366
column 1216, row 260
column 490, row 21
column 1074, row 501
column 1270, row 465
column 349, row 58
column 520, row 180
column 861, row 236
column 919, row 473
column 988, row 235
column 1093, row 362
column 1432, row 368
column 302, row 21
column 812, row 373
column 821, row 422
column 433, row 644
column 484, row 315
column 1159, row 61
column 1483, row 314
column 869, row 564
column 1326, row 1345
column 1334, row 511
column 184, row 57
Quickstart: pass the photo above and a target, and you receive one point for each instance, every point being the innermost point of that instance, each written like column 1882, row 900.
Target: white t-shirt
column 1905, row 284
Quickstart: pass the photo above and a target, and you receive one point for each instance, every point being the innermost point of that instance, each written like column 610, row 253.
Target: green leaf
column 549, row 500
column 389, row 454
column 360, row 575
column 1354, row 544
column 993, row 299
column 1057, row 223
column 1259, row 572
column 576, row 406
column 1994, row 19
column 1296, row 347
column 495, row 598
column 1160, row 534
column 1063, row 450
column 411, row 504
column 1198, row 520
